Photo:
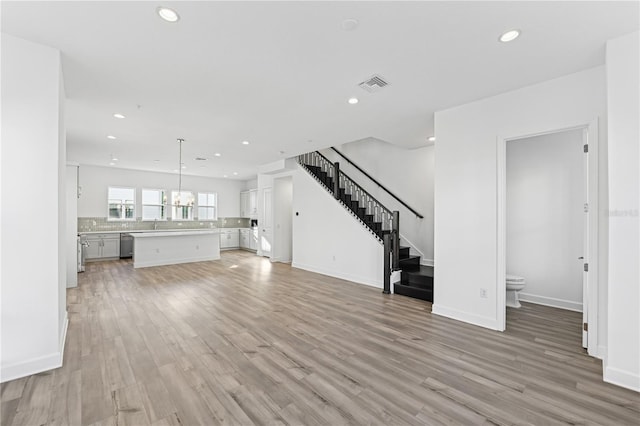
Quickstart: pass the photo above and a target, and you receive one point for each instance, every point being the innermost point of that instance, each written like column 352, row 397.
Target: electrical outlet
column 483, row 293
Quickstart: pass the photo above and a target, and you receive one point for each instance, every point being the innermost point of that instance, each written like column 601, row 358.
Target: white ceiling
column 279, row 73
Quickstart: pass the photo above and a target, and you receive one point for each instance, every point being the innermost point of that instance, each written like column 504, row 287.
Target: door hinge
column 586, row 207
column 586, row 147
column 585, row 326
column 586, row 267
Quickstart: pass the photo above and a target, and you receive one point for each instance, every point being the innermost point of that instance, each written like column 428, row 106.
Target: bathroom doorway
column 544, row 215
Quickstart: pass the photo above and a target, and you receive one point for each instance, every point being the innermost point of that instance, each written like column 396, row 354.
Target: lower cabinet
column 102, row 246
column 229, row 239
column 253, row 236
column 245, row 239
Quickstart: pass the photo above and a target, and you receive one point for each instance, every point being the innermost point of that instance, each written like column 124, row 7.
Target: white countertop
column 173, row 233
column 137, row 231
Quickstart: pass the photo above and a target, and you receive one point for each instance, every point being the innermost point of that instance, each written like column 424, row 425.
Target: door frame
column 592, row 256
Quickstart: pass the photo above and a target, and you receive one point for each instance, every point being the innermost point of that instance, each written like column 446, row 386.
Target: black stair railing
column 365, row 207
column 378, row 183
column 344, row 185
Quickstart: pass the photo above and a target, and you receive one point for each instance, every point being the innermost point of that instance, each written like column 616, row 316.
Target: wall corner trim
column 38, row 364
column 480, row 321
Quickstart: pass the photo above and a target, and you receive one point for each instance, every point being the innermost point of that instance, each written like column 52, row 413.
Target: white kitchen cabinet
column 229, row 238
column 249, row 203
column 245, row 238
column 253, row 203
column 102, row 246
column 244, row 204
column 253, row 239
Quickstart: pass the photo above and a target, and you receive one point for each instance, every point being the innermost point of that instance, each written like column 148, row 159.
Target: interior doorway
column 547, row 223
column 544, row 211
column 282, row 215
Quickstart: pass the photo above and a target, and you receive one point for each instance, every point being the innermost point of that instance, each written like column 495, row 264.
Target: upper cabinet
column 249, row 203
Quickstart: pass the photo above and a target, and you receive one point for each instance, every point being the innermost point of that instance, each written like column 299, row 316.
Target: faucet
column 155, row 224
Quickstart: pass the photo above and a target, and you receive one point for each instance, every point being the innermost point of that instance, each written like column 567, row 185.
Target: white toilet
column 514, row 285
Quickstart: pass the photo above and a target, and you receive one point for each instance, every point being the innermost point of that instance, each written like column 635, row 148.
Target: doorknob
column 581, row 258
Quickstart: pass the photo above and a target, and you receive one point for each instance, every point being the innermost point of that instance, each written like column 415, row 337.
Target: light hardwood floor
column 244, row 341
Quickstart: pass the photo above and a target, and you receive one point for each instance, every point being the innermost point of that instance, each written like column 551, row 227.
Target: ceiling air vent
column 374, row 83
column 200, row 159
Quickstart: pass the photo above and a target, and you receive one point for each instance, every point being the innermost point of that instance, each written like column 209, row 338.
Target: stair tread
column 425, row 271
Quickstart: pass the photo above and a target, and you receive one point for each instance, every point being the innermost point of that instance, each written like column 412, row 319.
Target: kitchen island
column 169, row 248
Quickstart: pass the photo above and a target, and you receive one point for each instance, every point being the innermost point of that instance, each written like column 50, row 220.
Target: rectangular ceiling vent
column 374, row 83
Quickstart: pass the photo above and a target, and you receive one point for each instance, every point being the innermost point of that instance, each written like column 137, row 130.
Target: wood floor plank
column 243, row 341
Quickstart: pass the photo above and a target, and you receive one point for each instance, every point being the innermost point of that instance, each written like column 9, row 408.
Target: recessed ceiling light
column 349, row 24
column 509, row 36
column 224, row 176
column 112, row 164
column 353, row 101
column 111, row 137
column 184, row 167
column 217, row 154
column 118, row 115
column 432, row 139
column 114, row 159
column 245, row 142
column 175, row 170
column 167, row 14
column 235, row 173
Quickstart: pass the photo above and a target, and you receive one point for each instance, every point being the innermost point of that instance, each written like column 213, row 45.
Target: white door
column 266, row 239
column 585, row 241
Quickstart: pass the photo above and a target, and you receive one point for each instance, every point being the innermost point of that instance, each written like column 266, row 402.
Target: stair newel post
column 336, row 180
column 395, row 229
column 386, row 240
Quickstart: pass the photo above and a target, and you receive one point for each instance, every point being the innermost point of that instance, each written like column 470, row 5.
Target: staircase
column 416, row 280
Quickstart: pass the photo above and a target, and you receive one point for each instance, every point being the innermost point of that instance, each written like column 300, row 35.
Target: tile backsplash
column 89, row 224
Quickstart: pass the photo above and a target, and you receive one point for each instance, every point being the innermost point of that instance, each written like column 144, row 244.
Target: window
column 182, row 205
column 122, row 203
column 207, row 206
column 154, row 204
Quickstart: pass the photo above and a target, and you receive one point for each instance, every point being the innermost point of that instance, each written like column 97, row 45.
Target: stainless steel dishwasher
column 126, row 246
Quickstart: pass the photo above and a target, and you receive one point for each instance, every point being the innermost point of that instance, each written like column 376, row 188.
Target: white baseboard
column 38, row 364
column 341, row 275
column 455, row 314
column 550, row 301
column 622, row 378
column 426, row 262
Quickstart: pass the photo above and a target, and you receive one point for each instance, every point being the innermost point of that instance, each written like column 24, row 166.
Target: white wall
column 544, row 205
column 622, row 364
column 327, row 239
column 250, row 184
column 282, row 226
column 466, row 176
column 408, row 173
column 95, row 181
column 71, row 231
column 33, row 199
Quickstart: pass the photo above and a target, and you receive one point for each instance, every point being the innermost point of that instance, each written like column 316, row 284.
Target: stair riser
column 416, row 293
